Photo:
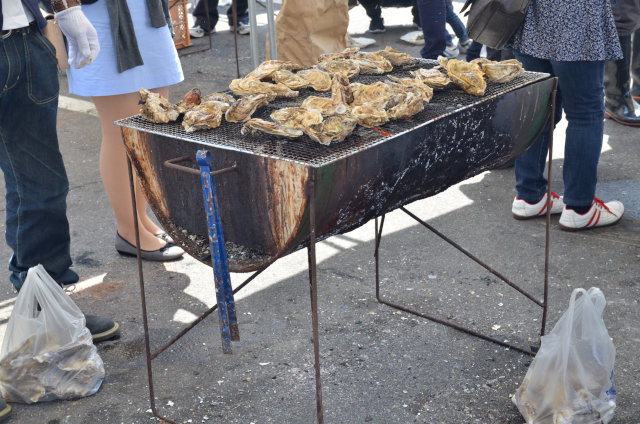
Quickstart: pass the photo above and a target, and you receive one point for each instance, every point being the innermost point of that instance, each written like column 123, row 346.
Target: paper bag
column 306, row 29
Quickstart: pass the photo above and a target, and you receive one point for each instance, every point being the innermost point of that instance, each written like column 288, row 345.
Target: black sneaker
column 101, row 328
column 5, row 410
column 377, row 25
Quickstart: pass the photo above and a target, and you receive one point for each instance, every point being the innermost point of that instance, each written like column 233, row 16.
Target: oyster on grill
column 249, row 86
column 416, row 85
column 347, row 67
column 377, row 93
column 432, row 77
column 255, row 125
column 296, row 117
column 266, row 69
column 219, row 97
column 370, row 115
column 394, row 56
column 465, row 75
column 332, row 129
column 376, row 58
column 368, row 67
column 191, row 99
column 242, row 110
column 324, row 105
column 345, row 54
column 291, row 80
column 501, row 72
column 317, row 78
column 411, row 104
column 341, row 90
column 156, row 108
column 203, row 116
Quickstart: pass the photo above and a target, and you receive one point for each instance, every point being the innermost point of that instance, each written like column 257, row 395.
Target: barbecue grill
column 272, row 197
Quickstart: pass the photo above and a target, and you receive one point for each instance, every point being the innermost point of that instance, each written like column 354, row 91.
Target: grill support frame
column 226, row 298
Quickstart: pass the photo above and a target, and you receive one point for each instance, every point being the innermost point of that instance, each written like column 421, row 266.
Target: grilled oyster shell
column 347, row 67
column 255, row 125
column 324, row 105
column 431, row 77
column 333, row 129
column 296, row 117
column 370, row 115
column 191, row 99
column 394, row 56
column 501, row 72
column 465, row 75
column 156, row 108
column 291, row 80
column 250, row 86
column 318, row 79
column 266, row 69
column 242, row 110
column 204, row 116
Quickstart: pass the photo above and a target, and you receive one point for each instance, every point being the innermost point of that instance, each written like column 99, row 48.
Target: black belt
column 24, row 30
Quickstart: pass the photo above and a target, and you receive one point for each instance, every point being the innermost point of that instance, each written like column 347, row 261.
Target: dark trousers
column 433, row 19
column 374, row 10
column 200, row 14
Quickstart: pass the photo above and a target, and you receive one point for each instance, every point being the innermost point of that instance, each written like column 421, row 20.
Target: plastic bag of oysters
column 47, row 352
column 570, row 381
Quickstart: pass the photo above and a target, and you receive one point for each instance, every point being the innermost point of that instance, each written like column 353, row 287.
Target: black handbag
column 493, row 22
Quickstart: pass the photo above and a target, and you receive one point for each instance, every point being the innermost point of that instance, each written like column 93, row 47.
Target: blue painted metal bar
column 224, row 294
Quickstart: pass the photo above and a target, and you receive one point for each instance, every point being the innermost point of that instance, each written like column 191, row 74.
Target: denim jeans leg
column 455, row 23
column 531, row 183
column 583, row 103
column 37, row 230
column 433, row 21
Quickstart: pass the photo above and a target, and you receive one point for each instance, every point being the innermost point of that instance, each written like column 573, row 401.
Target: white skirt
column 161, row 66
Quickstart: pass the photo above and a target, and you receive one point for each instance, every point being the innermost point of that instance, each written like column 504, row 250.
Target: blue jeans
column 456, row 25
column 580, row 94
column 432, row 20
column 37, row 230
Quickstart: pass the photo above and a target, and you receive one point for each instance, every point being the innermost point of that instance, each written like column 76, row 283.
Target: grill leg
column 313, row 288
column 224, row 294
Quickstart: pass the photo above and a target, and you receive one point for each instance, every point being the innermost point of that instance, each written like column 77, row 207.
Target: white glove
column 81, row 35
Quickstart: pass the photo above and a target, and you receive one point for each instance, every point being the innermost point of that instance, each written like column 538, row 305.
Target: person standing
column 374, row 12
column 433, row 16
column 137, row 51
column 203, row 27
column 570, row 41
column 618, row 101
column 36, row 183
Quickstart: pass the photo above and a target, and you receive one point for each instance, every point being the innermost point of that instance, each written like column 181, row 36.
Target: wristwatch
column 60, row 5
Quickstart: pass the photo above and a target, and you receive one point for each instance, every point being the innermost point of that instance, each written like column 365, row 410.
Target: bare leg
column 113, row 169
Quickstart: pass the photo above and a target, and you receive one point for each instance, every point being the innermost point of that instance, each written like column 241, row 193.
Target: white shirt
column 14, row 15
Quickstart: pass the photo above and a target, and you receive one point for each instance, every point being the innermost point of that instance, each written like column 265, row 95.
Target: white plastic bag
column 47, row 352
column 570, row 381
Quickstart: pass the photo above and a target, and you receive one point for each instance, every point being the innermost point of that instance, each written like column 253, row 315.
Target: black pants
column 374, row 10
column 200, row 15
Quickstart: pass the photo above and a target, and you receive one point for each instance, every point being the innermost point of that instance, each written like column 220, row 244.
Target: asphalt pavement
column 378, row 365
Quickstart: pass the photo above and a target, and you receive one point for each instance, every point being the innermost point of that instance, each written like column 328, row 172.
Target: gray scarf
column 124, row 36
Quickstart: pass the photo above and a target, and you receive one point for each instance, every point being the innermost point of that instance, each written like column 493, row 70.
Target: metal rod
column 145, row 322
column 234, row 28
column 313, row 288
column 426, row 316
column 273, row 47
column 253, row 35
column 226, row 306
column 173, row 164
column 548, row 223
column 206, row 314
column 474, row 258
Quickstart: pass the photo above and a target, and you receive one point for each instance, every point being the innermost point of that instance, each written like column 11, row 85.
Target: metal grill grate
column 305, row 151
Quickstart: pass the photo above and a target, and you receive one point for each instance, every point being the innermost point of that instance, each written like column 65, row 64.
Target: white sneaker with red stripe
column 522, row 209
column 599, row 215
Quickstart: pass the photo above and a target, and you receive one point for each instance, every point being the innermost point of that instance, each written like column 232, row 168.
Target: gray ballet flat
column 169, row 252
column 166, row 237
